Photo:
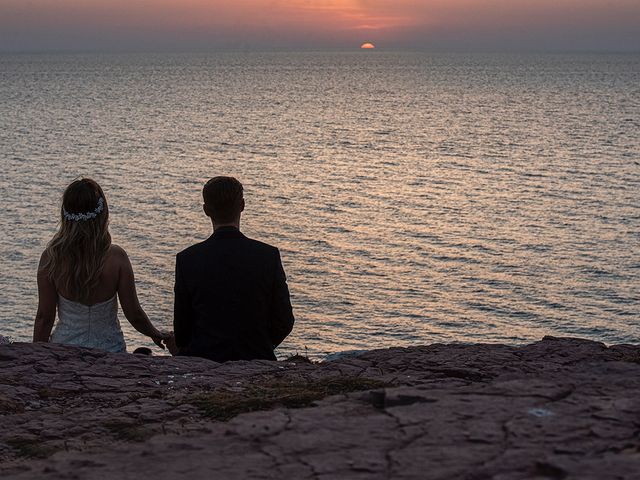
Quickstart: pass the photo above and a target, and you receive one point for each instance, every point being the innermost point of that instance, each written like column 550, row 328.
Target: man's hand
column 161, row 337
column 171, row 344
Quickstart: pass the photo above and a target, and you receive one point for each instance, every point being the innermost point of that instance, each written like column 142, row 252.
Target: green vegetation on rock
column 225, row 404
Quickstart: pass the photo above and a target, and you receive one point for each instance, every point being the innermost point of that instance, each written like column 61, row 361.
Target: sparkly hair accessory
column 83, row 217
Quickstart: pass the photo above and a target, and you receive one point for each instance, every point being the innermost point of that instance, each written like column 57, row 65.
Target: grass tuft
column 297, row 358
column 30, row 448
column 223, row 405
column 9, row 406
column 128, row 432
column 52, row 393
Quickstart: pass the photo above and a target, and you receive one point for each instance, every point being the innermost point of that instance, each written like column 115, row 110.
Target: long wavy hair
column 77, row 252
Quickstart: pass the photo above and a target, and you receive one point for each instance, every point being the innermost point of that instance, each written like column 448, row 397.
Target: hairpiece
column 83, row 217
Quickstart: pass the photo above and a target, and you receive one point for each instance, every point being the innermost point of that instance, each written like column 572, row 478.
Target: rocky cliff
column 559, row 408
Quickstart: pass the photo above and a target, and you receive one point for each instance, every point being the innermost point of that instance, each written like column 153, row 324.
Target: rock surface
column 556, row 409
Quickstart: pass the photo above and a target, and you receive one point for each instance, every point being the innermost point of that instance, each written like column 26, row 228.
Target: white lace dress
column 91, row 326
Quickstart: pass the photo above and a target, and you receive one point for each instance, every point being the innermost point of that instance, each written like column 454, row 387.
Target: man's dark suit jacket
column 231, row 299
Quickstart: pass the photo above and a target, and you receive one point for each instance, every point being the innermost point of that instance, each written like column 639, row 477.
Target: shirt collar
column 227, row 232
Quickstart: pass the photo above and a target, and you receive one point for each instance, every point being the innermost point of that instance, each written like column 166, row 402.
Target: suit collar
column 226, row 232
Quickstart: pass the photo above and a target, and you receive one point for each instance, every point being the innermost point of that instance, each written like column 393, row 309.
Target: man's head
column 223, row 200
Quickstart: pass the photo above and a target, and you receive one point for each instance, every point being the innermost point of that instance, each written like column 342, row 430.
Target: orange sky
column 588, row 24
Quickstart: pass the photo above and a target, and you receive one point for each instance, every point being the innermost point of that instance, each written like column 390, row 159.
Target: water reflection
column 415, row 198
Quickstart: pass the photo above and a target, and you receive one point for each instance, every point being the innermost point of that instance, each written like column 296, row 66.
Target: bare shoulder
column 44, row 258
column 117, row 255
column 117, row 250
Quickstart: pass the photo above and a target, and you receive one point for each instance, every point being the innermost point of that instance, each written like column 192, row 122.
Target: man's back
column 231, row 298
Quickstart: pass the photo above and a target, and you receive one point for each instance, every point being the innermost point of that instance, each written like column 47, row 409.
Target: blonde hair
column 76, row 253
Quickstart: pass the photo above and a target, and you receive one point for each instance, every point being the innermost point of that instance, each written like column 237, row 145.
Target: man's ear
column 242, row 206
column 206, row 210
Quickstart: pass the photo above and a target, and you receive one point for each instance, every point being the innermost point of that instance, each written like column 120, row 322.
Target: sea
column 416, row 198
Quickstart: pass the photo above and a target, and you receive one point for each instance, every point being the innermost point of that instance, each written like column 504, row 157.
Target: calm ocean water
column 415, row 198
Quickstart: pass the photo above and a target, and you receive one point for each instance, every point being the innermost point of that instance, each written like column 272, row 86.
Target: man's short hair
column 223, row 198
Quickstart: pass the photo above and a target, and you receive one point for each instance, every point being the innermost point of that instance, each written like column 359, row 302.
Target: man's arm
column 182, row 311
column 281, row 321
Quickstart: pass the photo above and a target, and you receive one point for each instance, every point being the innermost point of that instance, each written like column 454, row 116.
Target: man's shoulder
column 260, row 246
column 192, row 251
column 244, row 242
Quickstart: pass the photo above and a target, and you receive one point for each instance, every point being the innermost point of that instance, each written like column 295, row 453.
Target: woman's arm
column 47, row 303
column 129, row 301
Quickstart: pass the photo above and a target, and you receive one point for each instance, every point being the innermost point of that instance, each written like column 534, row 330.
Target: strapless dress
column 91, row 326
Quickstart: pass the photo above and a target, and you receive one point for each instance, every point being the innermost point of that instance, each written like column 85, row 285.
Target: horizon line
column 378, row 49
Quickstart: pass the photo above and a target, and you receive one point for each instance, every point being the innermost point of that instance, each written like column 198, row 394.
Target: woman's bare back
column 109, row 279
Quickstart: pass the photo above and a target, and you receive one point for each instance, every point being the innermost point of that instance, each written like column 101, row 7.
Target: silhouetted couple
column 231, row 296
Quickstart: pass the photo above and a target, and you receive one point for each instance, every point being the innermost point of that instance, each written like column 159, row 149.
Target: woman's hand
column 130, row 304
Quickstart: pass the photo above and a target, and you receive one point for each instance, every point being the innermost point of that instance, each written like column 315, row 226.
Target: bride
column 83, row 275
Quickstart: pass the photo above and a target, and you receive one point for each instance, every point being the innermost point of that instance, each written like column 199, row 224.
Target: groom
column 231, row 295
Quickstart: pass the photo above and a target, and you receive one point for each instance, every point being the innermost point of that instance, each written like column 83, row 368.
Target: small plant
column 30, row 448
column 297, row 358
column 225, row 404
column 128, row 432
column 9, row 406
column 50, row 393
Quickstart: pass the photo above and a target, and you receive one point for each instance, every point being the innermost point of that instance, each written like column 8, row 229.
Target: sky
column 439, row 25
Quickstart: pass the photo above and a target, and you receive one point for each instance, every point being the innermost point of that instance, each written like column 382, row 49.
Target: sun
column 367, row 46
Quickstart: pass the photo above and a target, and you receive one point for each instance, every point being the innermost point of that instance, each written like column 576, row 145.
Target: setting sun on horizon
column 367, row 46
column 301, row 24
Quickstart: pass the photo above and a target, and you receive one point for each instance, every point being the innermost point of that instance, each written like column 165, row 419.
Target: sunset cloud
column 80, row 24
